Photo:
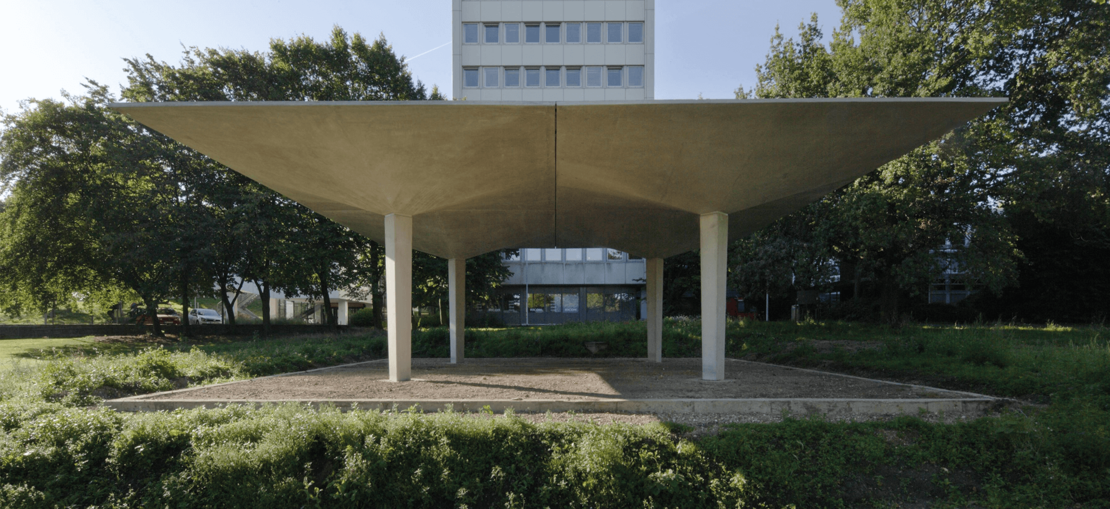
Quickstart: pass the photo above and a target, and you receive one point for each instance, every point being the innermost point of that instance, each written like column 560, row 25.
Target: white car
column 203, row 316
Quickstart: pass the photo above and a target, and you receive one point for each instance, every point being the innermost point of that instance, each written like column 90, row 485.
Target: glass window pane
column 512, row 33
column 593, row 76
column 553, row 33
column 470, row 33
column 532, row 255
column 635, row 32
column 492, row 33
column 594, row 301
column 554, row 305
column 574, row 255
column 574, row 77
column 570, row 302
column 470, row 78
column 512, row 78
column 593, row 32
column 531, row 77
column 616, row 32
column 615, row 75
column 636, row 76
column 595, row 255
column 615, row 254
column 553, row 255
column 552, row 78
column 574, row 32
column 491, row 77
column 532, row 34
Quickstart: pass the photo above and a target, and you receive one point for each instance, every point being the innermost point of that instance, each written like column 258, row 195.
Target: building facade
column 560, row 51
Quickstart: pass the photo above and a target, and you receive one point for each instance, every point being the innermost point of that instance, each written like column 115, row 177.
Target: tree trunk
column 889, row 300
column 152, row 312
column 855, row 284
column 186, row 328
column 441, row 320
column 375, row 288
column 332, row 323
column 264, row 294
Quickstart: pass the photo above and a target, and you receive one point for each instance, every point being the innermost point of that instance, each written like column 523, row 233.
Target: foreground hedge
column 289, row 456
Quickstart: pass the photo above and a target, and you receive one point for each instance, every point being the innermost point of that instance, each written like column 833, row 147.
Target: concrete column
column 289, row 309
column 655, row 309
column 274, row 308
column 344, row 308
column 456, row 290
column 398, row 295
column 714, row 269
column 318, row 314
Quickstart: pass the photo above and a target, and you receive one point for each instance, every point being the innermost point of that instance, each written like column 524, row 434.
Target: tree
column 101, row 189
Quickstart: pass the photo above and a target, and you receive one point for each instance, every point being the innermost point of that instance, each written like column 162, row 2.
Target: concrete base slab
column 634, row 386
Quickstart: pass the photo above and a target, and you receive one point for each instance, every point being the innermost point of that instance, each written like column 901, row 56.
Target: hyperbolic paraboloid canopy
column 477, row 177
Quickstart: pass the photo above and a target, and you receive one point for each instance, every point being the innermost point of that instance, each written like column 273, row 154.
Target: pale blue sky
column 707, row 47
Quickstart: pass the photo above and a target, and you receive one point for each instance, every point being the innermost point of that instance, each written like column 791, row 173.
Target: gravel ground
column 558, row 379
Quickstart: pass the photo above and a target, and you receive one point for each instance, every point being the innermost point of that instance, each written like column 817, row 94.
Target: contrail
column 448, row 43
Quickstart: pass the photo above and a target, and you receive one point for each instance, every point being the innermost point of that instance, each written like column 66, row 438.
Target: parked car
column 204, row 316
column 166, row 316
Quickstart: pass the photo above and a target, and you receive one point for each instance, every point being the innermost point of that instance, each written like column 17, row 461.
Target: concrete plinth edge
column 969, row 407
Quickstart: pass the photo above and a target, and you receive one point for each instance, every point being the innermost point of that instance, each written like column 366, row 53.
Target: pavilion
column 655, row 179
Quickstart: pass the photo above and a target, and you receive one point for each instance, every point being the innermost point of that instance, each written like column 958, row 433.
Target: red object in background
column 733, row 307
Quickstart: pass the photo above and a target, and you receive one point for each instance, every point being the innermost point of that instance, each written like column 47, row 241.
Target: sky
column 703, row 47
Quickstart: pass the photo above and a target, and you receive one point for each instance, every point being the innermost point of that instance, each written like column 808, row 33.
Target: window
column 636, row 76
column 593, row 33
column 491, row 77
column 574, row 77
column 531, row 77
column 615, row 75
column 532, row 255
column 570, row 302
column 553, row 255
column 512, row 33
column 493, row 32
column 551, row 78
column 593, row 77
column 470, row 33
column 511, row 256
column 636, row 32
column 574, row 33
column 595, row 255
column 574, row 255
column 615, row 255
column 552, row 33
column 512, row 78
column 532, row 34
column 470, row 78
column 616, row 32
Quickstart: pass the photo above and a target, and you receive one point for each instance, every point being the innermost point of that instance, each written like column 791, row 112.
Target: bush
column 362, row 318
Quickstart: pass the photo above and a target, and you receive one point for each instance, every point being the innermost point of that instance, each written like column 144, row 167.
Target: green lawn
column 25, row 352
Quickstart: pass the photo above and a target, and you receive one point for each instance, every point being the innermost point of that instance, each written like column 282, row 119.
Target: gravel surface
column 555, row 378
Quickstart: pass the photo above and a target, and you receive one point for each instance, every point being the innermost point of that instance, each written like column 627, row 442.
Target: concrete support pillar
column 274, row 308
column 714, row 269
column 398, row 295
column 318, row 314
column 456, row 290
column 344, row 308
column 289, row 309
column 655, row 309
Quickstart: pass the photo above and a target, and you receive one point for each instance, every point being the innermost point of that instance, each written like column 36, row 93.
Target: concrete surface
column 477, row 177
column 581, row 385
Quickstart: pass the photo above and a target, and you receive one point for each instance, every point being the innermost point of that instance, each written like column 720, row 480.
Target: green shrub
column 362, row 318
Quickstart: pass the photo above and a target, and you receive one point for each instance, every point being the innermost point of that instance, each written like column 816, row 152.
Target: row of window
column 631, row 76
column 594, row 254
column 554, row 33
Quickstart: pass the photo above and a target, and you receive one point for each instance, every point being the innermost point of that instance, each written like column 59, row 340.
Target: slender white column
column 714, row 269
column 655, row 309
column 344, row 309
column 456, row 290
column 398, row 295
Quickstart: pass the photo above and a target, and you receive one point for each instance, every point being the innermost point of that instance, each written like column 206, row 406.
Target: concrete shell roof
column 477, row 177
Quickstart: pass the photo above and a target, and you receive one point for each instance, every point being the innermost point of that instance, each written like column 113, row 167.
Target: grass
column 15, row 353
column 1053, row 455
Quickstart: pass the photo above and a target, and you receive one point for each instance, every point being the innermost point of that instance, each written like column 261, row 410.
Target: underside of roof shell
column 478, row 177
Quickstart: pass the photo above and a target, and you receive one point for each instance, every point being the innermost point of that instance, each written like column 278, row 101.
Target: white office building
column 560, row 51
